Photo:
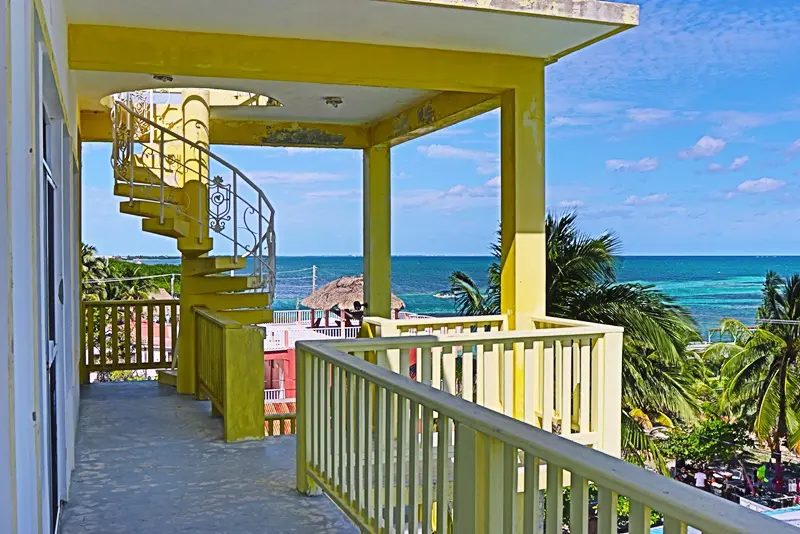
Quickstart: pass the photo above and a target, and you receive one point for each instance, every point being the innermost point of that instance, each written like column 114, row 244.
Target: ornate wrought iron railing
column 233, row 206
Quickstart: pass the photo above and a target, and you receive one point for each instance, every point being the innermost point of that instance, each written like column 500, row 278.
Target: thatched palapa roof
column 343, row 292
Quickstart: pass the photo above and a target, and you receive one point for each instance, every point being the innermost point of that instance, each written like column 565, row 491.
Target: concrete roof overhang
column 494, row 34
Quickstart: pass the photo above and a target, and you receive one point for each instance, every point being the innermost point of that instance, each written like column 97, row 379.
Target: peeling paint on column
column 400, row 124
column 426, row 114
column 301, row 136
column 533, row 119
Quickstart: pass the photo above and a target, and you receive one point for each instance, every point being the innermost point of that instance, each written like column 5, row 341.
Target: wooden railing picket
column 113, row 339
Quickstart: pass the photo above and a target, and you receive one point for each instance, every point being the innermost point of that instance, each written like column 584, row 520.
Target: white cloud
column 571, row 204
column 573, row 121
column 623, row 165
column 736, row 165
column 456, row 198
column 650, row 115
column 763, row 185
column 794, row 148
column 334, row 193
column 452, row 152
column 289, row 177
column 488, row 162
column 706, row 147
column 494, row 182
column 294, row 150
column 734, row 123
column 634, row 200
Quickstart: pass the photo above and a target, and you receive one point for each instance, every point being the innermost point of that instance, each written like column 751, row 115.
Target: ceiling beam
column 95, row 126
column 178, row 53
column 441, row 111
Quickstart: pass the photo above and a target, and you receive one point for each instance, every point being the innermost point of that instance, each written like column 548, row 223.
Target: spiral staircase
column 221, row 220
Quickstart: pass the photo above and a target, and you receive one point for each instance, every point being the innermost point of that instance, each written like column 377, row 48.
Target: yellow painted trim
column 96, row 127
column 568, row 51
column 283, row 133
column 40, row 14
column 441, row 111
column 96, row 48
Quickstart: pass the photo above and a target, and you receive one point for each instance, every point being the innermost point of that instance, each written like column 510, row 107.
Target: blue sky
column 682, row 136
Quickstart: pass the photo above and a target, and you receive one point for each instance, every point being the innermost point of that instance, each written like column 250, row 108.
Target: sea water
column 711, row 287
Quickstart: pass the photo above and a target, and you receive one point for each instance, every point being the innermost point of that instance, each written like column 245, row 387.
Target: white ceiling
column 536, row 28
column 301, row 101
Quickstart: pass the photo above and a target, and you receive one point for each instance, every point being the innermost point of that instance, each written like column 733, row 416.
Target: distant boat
column 445, row 295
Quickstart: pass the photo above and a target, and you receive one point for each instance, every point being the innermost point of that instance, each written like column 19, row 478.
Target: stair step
column 219, row 284
column 172, row 195
column 248, row 316
column 171, row 227
column 212, row 265
column 191, row 247
column 143, row 208
column 168, row 377
column 234, row 301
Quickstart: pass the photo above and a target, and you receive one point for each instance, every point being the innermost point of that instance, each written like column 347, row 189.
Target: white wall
column 24, row 406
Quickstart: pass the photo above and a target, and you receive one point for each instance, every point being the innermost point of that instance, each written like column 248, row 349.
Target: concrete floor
column 149, row 460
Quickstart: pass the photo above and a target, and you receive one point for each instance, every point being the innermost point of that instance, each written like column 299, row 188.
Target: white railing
column 283, row 337
column 400, row 456
column 233, row 206
column 304, row 317
column 274, row 395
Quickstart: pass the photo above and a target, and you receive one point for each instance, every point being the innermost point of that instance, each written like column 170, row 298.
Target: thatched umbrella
column 343, row 292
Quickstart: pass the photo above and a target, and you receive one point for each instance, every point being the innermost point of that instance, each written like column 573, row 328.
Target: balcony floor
column 149, row 460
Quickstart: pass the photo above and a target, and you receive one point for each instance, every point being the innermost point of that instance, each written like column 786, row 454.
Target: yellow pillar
column 522, row 193
column 194, row 180
column 377, row 231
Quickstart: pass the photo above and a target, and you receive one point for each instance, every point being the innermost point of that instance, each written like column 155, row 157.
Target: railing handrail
column 435, row 321
column 701, row 510
column 132, row 302
column 200, row 148
column 487, row 338
column 217, row 319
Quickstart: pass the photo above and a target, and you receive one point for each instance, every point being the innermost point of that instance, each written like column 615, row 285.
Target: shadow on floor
column 149, row 460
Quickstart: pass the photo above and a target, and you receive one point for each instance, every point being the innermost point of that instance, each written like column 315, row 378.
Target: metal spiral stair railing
column 238, row 209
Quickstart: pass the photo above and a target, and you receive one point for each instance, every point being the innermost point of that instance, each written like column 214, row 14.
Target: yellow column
column 522, row 193
column 377, row 232
column 195, row 187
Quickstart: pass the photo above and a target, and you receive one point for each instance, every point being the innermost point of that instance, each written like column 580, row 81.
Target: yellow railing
column 127, row 335
column 565, row 380
column 400, row 456
column 230, row 373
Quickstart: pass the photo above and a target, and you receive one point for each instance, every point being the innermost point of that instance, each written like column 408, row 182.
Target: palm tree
column 761, row 384
column 134, row 289
column 93, row 268
column 581, row 284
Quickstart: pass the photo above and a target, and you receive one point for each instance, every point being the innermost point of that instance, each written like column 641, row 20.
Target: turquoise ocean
column 711, row 287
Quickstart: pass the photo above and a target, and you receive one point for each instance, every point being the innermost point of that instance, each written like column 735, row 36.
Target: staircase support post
column 196, row 120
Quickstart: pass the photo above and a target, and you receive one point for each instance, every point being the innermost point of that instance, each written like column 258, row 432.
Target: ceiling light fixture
column 334, row 101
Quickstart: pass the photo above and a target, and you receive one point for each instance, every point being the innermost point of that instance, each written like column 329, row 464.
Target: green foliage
column 708, row 440
column 623, row 508
column 658, row 377
column 141, row 289
column 93, row 268
column 759, row 377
